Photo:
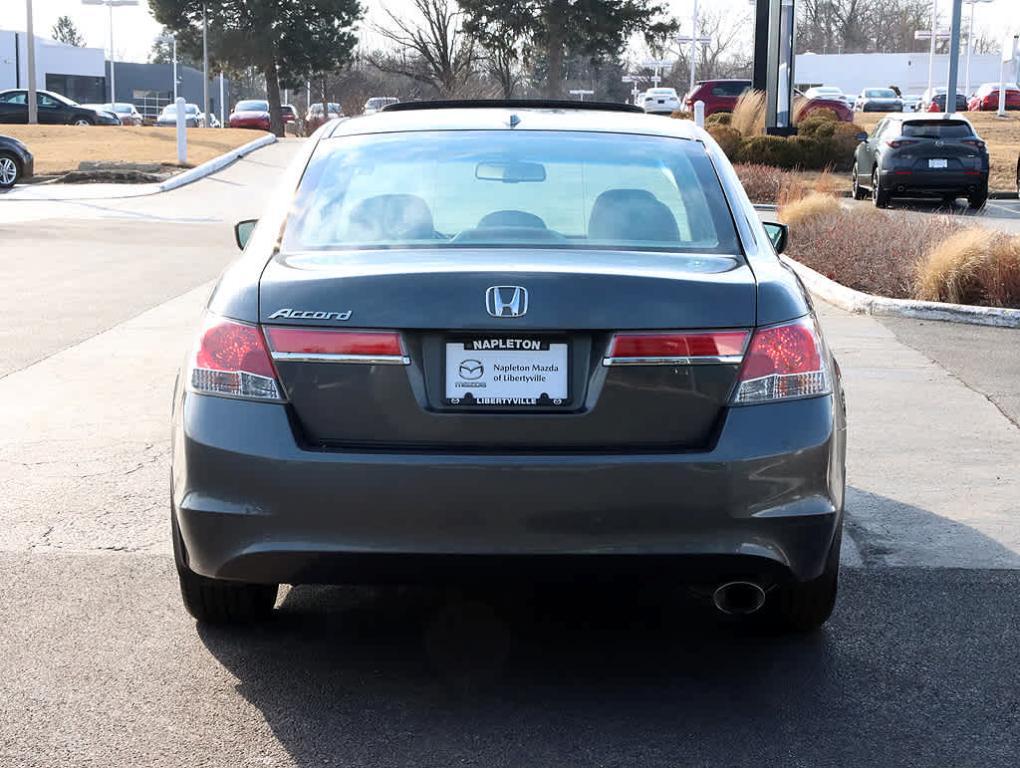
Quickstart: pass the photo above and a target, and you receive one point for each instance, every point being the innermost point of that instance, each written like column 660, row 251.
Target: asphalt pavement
column 101, row 666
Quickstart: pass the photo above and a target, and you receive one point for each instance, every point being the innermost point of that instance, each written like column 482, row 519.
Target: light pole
column 970, row 42
column 931, row 49
column 111, row 4
column 33, row 106
column 205, row 66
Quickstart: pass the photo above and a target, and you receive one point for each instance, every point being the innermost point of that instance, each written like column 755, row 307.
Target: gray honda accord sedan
column 510, row 340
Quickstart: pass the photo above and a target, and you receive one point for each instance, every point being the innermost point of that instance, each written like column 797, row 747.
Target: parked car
column 718, row 95
column 808, row 104
column 125, row 113
column 53, row 109
column 641, row 389
column 828, row 92
column 986, row 98
column 938, row 103
column 317, row 117
column 193, row 117
column 921, row 156
column 250, row 113
column 16, row 162
column 662, row 101
column 878, row 100
column 378, row 103
column 290, row 115
column 911, row 102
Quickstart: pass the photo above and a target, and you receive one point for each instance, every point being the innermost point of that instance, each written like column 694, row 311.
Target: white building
column 78, row 73
column 852, row 72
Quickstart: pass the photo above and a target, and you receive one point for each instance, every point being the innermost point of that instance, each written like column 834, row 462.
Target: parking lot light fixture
column 111, row 4
column 33, row 106
column 172, row 39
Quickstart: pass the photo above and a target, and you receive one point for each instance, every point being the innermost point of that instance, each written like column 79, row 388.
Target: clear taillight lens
column 783, row 362
column 231, row 360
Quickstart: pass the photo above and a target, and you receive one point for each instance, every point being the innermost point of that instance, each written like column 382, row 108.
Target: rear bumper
column 933, row 182
column 253, row 505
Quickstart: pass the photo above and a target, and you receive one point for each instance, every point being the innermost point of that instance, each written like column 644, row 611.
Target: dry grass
column 815, row 205
column 974, row 266
column 749, row 114
column 59, row 148
column 1001, row 133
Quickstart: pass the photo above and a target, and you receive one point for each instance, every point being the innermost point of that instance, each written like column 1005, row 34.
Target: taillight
column 976, row 143
column 231, row 360
column 897, row 143
column 676, row 348
column 783, row 362
column 328, row 345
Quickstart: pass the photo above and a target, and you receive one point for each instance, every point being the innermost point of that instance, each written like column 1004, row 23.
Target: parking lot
column 102, row 666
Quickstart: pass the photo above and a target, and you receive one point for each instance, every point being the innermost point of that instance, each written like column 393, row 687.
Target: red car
column 986, row 98
column 722, row 95
column 251, row 113
column 289, row 113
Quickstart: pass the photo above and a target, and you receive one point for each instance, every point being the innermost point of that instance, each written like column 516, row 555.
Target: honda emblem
column 506, row 301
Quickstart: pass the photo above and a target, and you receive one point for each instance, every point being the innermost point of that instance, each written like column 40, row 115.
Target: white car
column 377, row 103
column 659, row 100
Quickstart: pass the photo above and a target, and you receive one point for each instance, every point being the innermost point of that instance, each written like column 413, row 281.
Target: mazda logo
column 471, row 369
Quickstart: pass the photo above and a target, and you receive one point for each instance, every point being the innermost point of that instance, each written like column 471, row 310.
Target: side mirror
column 778, row 234
column 862, row 136
column 243, row 230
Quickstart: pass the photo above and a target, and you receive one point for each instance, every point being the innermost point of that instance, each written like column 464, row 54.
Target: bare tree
column 432, row 50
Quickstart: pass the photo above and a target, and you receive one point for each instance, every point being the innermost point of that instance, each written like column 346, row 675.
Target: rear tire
column 216, row 601
column 977, row 200
column 878, row 195
column 806, row 606
column 859, row 192
column 10, row 170
column 82, row 121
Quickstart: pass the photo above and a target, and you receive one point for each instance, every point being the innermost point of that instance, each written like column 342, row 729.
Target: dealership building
column 82, row 74
column 853, row 72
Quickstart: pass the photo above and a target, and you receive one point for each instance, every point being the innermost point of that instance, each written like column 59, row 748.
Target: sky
column 134, row 27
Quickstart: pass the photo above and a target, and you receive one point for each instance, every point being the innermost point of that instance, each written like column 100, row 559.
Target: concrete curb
column 216, row 164
column 868, row 304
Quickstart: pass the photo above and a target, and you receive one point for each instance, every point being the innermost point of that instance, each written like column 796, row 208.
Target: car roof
column 926, row 117
column 527, row 118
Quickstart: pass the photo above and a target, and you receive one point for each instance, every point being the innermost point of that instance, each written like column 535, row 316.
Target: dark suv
column 915, row 156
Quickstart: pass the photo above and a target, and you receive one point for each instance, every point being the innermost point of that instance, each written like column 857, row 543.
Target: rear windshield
column 500, row 188
column 937, row 129
column 880, row 93
column 252, row 106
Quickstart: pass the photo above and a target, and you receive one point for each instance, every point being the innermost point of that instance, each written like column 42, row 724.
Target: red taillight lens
column 897, row 143
column 342, row 346
column 783, row 362
column 638, row 348
column 977, row 143
column 231, row 360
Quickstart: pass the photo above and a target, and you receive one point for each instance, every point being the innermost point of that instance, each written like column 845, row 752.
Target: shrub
column 718, row 118
column 763, row 183
column 816, row 127
column 973, row 266
column 771, row 150
column 681, row 114
column 748, row 115
column 728, row 139
column 842, row 246
column 822, row 114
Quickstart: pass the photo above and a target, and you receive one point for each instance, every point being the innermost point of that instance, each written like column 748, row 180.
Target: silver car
column 193, row 116
column 531, row 340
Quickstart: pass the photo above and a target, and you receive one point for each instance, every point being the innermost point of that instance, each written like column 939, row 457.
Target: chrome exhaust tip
column 738, row 598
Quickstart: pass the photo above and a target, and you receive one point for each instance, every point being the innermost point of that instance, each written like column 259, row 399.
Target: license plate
column 938, row 163
column 506, row 371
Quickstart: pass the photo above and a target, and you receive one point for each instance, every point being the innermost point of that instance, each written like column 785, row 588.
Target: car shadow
column 909, row 669
column 997, row 209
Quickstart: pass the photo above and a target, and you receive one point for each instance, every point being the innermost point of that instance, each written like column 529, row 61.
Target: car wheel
column 859, row 192
column 9, row 171
column 878, row 195
column 217, row 601
column 806, row 606
column 81, row 121
column 976, row 200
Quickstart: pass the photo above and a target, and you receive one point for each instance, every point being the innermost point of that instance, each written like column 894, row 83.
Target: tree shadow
column 910, row 671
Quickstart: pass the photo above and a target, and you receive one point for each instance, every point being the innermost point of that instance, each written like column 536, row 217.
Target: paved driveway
column 101, row 666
